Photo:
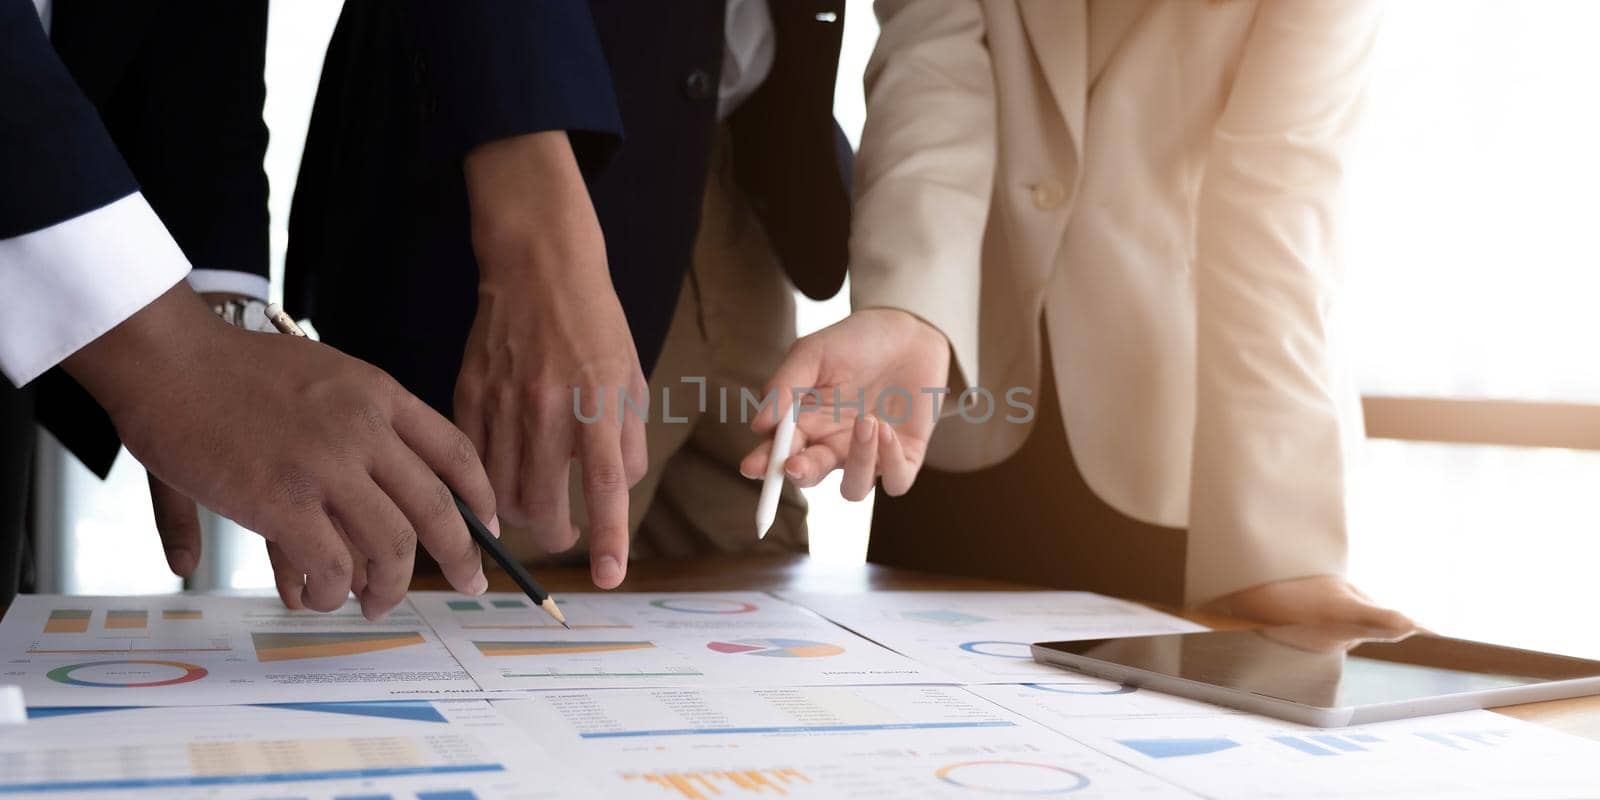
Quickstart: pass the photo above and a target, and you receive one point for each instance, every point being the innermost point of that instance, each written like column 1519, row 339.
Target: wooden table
column 774, row 573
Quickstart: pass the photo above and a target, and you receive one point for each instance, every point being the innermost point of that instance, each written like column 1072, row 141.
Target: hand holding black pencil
column 486, row 541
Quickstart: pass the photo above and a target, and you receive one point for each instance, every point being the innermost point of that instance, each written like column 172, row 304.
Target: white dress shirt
column 67, row 284
column 749, row 45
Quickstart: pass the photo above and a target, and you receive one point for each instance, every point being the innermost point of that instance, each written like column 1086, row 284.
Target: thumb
column 178, row 524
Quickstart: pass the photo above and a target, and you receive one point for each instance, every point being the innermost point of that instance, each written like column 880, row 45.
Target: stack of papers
column 686, row 696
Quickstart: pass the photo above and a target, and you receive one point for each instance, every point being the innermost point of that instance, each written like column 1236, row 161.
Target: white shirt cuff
column 67, row 284
column 227, row 281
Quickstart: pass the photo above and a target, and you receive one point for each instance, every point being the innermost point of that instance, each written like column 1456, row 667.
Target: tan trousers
column 734, row 322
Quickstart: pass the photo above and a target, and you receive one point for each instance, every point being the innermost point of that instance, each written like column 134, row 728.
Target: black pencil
column 480, row 533
column 491, row 545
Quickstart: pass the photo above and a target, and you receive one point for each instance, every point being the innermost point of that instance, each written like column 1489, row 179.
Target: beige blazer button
column 1049, row 194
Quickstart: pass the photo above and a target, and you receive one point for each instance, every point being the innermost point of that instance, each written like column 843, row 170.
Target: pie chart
column 777, row 648
column 136, row 674
column 1069, row 688
column 1011, row 777
column 704, row 605
column 998, row 649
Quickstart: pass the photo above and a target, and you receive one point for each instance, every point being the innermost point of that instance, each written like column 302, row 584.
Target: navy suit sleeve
column 56, row 159
column 179, row 86
column 191, row 118
column 501, row 68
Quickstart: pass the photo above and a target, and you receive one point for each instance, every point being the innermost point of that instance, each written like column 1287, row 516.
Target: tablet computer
column 1329, row 676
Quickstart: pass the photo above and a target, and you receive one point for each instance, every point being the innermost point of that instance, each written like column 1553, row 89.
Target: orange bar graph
column 181, row 614
column 127, row 618
column 708, row 784
column 67, row 620
column 291, row 646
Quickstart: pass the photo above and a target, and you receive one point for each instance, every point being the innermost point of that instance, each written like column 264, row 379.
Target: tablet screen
column 1308, row 665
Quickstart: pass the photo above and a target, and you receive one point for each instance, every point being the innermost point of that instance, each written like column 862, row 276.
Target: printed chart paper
column 829, row 742
column 432, row 750
column 1221, row 753
column 187, row 650
column 635, row 640
column 1072, row 706
column 983, row 637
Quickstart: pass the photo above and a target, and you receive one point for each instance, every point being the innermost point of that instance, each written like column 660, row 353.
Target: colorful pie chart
column 136, row 674
column 777, row 648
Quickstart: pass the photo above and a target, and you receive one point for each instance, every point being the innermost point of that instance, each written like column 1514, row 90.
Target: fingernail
column 181, row 559
column 746, row 474
column 865, row 427
column 794, row 473
column 607, row 571
column 480, row 584
column 494, row 525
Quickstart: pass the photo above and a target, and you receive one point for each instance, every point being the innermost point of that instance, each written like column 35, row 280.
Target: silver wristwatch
column 249, row 314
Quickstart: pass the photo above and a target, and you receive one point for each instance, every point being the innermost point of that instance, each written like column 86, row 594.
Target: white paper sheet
column 1067, row 706
column 187, row 650
column 983, row 637
column 1222, row 753
column 833, row 742
column 647, row 640
column 757, row 697
column 432, row 750
column 13, row 708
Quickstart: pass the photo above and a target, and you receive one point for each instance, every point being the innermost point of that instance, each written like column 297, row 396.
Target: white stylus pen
column 772, row 486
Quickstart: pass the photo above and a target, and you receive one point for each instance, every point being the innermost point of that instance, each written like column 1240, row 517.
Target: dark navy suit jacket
column 162, row 96
column 380, row 252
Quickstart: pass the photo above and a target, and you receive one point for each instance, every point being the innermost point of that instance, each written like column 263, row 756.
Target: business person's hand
column 1320, row 599
column 316, row 451
column 548, row 324
column 178, row 525
column 177, row 518
column 889, row 355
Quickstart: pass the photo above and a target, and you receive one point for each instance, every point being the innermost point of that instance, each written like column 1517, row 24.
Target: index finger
column 799, row 370
column 605, row 492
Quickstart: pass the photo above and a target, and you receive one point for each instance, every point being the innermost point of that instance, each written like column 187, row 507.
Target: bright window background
column 1474, row 204
column 1471, row 273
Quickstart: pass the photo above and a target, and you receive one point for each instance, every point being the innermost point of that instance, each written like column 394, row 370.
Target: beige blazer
column 1159, row 180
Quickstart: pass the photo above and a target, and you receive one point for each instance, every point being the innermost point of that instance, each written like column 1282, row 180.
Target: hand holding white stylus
column 772, row 486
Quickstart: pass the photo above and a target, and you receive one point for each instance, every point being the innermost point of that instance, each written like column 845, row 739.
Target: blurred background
column 1471, row 285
